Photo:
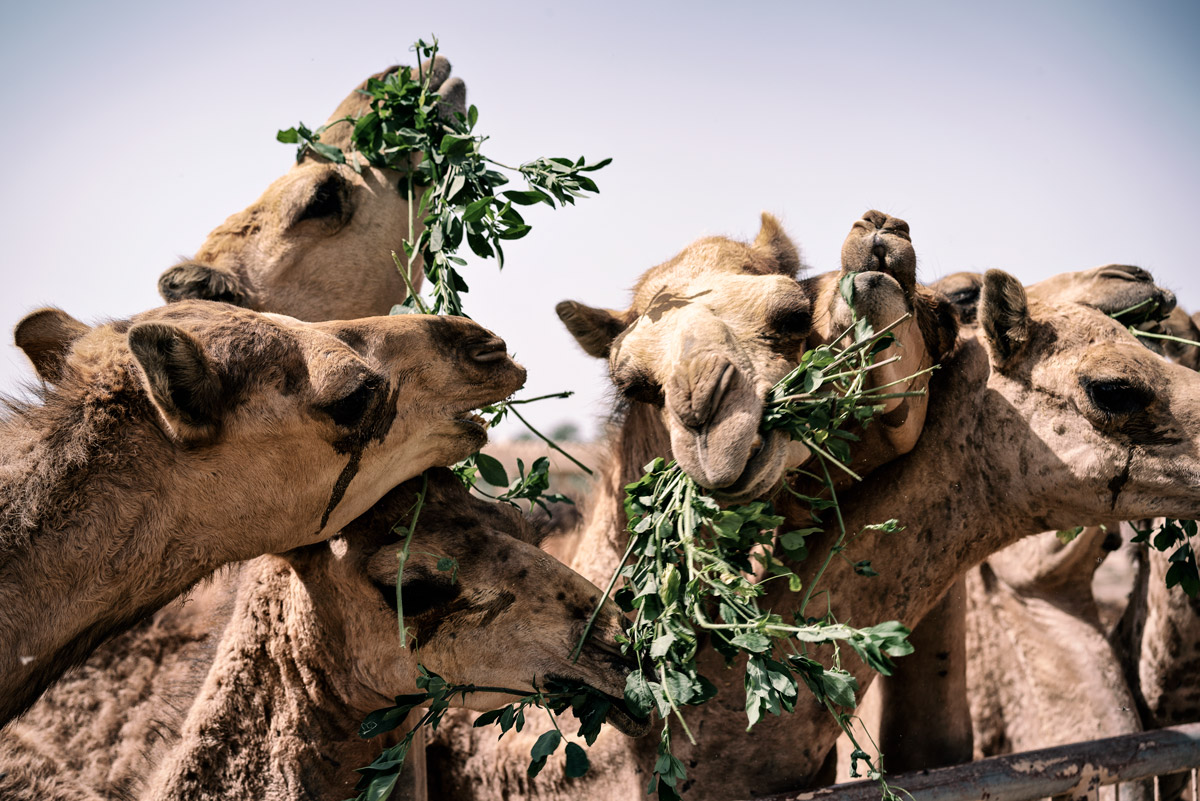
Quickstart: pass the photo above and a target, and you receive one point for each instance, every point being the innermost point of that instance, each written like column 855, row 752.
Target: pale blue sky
column 1033, row 137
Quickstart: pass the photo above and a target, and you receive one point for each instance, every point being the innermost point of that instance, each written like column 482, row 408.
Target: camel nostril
column 493, row 350
column 880, row 251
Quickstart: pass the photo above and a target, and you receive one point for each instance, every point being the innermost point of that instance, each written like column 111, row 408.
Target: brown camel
column 317, row 245
column 167, row 445
column 305, row 644
column 1052, row 416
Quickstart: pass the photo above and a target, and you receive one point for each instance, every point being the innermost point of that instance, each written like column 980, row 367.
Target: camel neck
column 88, row 546
column 273, row 718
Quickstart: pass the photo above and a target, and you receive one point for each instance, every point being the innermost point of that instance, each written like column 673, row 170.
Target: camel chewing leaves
column 690, row 564
column 458, row 185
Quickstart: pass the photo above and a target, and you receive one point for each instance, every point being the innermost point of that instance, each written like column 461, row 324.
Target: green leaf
column 1067, row 535
column 477, row 209
column 577, row 761
column 288, row 137
column 546, row 745
column 528, row 198
column 330, row 152
column 638, row 694
column 752, row 641
column 492, row 471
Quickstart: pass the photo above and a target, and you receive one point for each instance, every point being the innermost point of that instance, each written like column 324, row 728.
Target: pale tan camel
column 305, row 644
column 200, row 434
column 317, row 245
column 1032, row 631
column 1052, row 416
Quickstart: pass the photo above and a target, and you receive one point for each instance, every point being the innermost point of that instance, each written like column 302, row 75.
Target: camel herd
column 198, row 557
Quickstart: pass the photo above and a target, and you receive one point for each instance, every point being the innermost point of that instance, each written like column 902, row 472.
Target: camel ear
column 594, row 329
column 192, row 280
column 1004, row 316
column 46, row 336
column 179, row 379
column 773, row 243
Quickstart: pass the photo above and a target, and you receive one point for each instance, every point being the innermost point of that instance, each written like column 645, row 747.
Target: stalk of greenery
column 408, row 130
column 589, row 706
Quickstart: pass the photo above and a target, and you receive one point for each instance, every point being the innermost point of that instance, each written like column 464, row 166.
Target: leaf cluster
column 687, row 576
column 408, row 129
column 1175, row 536
column 590, row 707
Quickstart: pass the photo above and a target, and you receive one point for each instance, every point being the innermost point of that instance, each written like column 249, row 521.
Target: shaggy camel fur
column 1053, row 416
column 171, row 443
column 306, row 645
column 317, row 245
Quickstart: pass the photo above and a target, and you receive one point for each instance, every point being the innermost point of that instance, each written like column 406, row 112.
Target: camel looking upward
column 200, row 434
column 317, row 245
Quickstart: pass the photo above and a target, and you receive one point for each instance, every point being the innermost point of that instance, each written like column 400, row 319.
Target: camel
column 1051, row 416
column 1042, row 672
column 317, row 245
column 304, row 645
column 166, row 445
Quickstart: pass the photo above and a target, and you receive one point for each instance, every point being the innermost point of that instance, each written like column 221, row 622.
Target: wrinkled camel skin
column 303, row 645
column 1024, row 383
column 317, row 245
column 199, row 434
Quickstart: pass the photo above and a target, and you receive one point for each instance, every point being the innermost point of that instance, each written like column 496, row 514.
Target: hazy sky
column 1032, row 137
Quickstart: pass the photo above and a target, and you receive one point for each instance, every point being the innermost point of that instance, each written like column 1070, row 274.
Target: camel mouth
column 473, row 423
column 623, row 719
column 763, row 470
column 619, row 714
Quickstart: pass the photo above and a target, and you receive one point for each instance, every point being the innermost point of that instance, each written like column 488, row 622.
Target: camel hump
column 46, row 336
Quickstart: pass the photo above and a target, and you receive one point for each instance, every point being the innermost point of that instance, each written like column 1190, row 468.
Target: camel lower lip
column 624, row 721
column 739, row 490
column 473, row 422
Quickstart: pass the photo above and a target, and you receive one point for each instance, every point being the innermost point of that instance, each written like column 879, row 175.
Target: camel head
column 1113, row 429
column 879, row 253
column 1111, row 288
column 288, row 428
column 317, row 245
column 503, row 613
column 707, row 335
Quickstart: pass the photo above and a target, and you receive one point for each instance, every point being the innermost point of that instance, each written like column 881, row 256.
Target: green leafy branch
column 408, row 129
column 589, row 706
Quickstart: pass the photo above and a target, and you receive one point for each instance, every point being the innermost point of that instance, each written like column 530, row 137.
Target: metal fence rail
column 1069, row 772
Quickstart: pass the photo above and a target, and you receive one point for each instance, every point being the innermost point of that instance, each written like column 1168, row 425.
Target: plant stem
column 552, row 443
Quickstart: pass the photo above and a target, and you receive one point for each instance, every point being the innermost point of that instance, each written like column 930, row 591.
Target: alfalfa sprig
column 408, row 129
column 590, row 707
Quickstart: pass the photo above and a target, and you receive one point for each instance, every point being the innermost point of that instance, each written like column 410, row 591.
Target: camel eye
column 327, row 202
column 349, row 410
column 637, row 387
column 792, row 322
column 1118, row 397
